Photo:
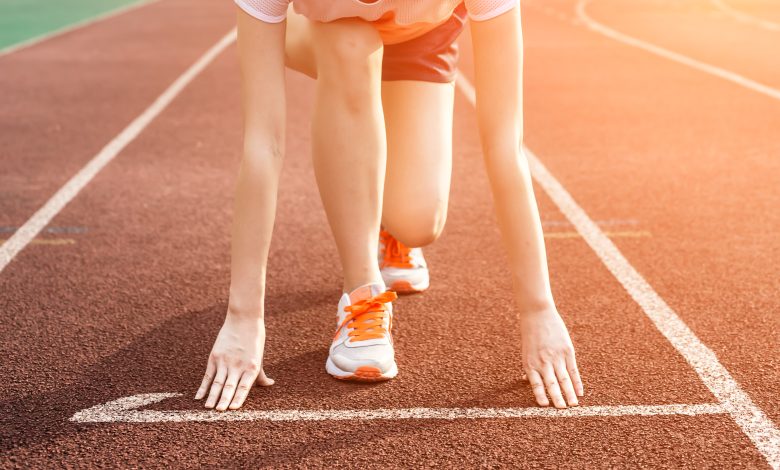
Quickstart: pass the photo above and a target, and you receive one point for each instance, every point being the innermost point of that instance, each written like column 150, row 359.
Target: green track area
column 22, row 20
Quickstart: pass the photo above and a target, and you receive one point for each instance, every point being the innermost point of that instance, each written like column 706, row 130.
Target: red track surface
column 133, row 306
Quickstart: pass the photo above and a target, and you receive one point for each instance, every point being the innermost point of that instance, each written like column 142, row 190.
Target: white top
column 404, row 12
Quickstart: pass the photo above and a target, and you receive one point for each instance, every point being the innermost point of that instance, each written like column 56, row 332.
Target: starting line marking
column 125, row 410
column 27, row 232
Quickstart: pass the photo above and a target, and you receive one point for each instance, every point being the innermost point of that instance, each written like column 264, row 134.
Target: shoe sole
column 405, row 287
column 362, row 374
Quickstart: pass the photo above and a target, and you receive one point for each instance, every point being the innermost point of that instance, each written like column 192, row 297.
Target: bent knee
column 416, row 227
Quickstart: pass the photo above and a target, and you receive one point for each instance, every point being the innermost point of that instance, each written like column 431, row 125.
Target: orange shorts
column 422, row 51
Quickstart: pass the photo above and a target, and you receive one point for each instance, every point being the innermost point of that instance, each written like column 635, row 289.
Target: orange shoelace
column 366, row 317
column 396, row 253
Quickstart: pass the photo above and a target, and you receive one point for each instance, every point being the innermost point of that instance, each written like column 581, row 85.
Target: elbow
column 500, row 137
column 506, row 165
column 499, row 142
column 502, row 151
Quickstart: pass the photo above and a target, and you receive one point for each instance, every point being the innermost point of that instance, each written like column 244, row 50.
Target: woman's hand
column 235, row 363
column 548, row 359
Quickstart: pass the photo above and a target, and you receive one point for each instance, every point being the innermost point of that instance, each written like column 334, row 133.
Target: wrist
column 532, row 293
column 246, row 305
column 245, row 313
column 534, row 305
column 248, row 308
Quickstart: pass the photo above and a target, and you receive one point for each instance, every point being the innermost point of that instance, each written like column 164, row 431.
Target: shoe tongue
column 365, row 292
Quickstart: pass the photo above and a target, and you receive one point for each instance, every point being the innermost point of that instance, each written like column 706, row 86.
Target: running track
column 124, row 291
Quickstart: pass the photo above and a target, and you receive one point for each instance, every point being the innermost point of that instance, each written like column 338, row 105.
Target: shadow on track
column 170, row 357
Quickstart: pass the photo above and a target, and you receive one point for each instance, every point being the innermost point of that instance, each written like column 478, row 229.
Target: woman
column 385, row 72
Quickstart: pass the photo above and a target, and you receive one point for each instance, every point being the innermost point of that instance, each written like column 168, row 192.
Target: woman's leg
column 348, row 140
column 418, row 123
column 299, row 49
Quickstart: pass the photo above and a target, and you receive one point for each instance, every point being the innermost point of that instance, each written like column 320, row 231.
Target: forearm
column 261, row 53
column 253, row 220
column 499, row 86
column 521, row 230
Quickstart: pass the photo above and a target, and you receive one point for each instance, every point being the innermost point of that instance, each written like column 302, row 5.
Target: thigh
column 418, row 122
column 299, row 50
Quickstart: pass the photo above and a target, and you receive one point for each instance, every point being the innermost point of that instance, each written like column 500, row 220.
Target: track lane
column 162, row 215
column 160, row 315
column 693, row 30
column 64, row 99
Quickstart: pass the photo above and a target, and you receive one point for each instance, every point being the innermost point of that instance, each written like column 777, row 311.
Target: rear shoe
column 403, row 269
column 362, row 348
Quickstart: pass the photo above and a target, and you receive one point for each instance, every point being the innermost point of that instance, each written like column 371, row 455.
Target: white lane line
column 750, row 418
column 27, row 232
column 125, row 410
column 745, row 17
column 675, row 56
column 74, row 26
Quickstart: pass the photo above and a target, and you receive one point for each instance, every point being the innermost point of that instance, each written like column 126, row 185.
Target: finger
column 551, row 384
column 211, row 369
column 574, row 373
column 216, row 385
column 565, row 382
column 234, row 374
column 264, row 380
column 537, row 385
column 244, row 386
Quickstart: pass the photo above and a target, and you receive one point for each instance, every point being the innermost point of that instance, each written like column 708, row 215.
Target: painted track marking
column 74, row 26
column 50, row 241
column 745, row 17
column 27, row 232
column 620, row 234
column 125, row 410
column 750, row 418
column 671, row 55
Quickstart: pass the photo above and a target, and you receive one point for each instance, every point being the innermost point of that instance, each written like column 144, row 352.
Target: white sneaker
column 403, row 269
column 362, row 348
